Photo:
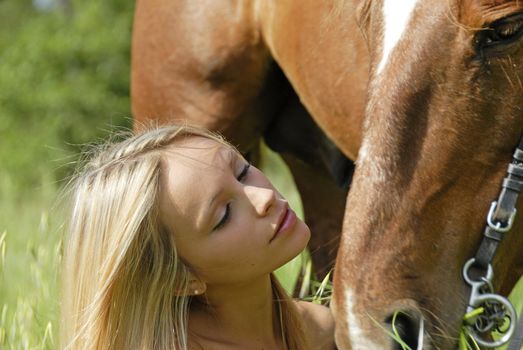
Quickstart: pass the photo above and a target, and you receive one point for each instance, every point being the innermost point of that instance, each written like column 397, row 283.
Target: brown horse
column 444, row 114
column 438, row 86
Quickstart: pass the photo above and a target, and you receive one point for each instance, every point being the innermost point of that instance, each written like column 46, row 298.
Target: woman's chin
column 298, row 242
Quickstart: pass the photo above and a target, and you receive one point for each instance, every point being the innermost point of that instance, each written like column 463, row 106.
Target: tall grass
column 30, row 248
column 64, row 77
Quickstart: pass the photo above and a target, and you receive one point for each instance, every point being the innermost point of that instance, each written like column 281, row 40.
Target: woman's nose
column 261, row 198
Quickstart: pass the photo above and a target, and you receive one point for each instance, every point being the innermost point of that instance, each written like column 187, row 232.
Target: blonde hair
column 121, row 269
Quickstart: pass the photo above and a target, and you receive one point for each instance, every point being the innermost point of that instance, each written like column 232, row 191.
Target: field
column 62, row 84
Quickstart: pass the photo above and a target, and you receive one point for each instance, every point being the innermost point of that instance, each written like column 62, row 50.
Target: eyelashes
column 225, row 218
column 244, row 172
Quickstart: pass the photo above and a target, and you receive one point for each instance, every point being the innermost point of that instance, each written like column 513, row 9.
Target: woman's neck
column 241, row 314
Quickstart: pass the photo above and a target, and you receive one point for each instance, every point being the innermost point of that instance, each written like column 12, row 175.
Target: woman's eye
column 224, row 218
column 244, row 172
column 227, row 214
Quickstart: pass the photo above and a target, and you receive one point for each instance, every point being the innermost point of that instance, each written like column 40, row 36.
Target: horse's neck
column 322, row 51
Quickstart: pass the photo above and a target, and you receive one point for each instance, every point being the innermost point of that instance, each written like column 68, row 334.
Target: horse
column 425, row 97
column 443, row 117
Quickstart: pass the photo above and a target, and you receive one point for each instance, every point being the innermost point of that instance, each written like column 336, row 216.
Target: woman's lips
column 288, row 221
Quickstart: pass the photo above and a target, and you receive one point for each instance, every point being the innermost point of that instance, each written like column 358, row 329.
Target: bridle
column 493, row 311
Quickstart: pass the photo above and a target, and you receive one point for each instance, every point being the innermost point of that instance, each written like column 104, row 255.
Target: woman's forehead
column 193, row 165
column 197, row 142
column 199, row 150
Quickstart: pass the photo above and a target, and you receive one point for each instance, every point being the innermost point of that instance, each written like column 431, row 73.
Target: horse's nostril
column 406, row 328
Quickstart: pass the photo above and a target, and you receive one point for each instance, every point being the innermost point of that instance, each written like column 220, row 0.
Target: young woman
column 172, row 242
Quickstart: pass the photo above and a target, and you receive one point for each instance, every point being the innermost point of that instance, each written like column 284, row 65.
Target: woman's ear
column 195, row 287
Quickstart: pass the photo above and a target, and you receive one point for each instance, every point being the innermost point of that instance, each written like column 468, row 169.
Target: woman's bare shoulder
column 318, row 323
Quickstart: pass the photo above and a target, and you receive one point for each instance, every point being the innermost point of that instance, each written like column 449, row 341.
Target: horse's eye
column 501, row 32
column 511, row 29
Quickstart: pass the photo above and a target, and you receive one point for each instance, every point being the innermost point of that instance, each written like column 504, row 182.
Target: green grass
column 64, row 80
column 30, row 251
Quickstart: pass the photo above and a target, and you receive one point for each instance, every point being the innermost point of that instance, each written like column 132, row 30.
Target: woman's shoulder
column 319, row 324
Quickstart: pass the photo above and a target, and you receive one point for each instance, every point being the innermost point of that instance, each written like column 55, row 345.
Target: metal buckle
column 498, row 226
column 481, row 296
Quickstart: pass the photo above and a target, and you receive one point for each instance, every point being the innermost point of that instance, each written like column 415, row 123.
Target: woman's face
column 230, row 224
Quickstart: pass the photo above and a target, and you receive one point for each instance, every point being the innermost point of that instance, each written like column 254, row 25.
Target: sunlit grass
column 30, row 254
column 393, row 333
column 3, row 246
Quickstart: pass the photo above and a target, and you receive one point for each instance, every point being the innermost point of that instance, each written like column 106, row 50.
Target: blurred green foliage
column 64, row 81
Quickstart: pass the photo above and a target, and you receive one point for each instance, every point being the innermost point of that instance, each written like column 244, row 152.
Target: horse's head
column 444, row 114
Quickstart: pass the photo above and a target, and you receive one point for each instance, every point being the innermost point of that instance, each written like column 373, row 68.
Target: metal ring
column 470, row 281
column 498, row 226
column 484, row 298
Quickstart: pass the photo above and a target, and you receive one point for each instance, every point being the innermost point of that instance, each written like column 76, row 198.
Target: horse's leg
column 322, row 175
column 203, row 63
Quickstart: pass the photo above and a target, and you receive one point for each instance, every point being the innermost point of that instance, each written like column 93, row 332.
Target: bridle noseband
column 495, row 311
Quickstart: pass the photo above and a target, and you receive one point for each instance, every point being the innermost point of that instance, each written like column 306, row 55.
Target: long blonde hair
column 121, row 269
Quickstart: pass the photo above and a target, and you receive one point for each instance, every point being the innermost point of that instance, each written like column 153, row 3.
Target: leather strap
column 506, row 205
